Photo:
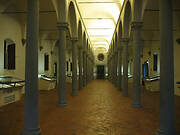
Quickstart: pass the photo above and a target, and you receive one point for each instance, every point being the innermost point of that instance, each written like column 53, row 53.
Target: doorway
column 145, row 70
column 100, row 71
column 55, row 69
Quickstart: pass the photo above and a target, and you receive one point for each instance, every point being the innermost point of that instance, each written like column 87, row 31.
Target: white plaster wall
column 10, row 28
column 176, row 63
column 47, row 48
column 148, row 57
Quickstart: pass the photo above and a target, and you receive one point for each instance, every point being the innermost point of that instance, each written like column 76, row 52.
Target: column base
column 61, row 105
column 138, row 106
column 119, row 89
column 32, row 132
column 74, row 94
column 160, row 132
column 125, row 95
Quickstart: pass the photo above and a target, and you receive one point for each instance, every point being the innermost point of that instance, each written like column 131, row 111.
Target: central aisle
column 99, row 109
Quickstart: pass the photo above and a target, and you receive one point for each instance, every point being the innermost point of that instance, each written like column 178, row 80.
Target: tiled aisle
column 99, row 109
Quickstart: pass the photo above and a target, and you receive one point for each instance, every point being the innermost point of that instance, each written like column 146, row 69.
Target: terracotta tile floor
column 99, row 109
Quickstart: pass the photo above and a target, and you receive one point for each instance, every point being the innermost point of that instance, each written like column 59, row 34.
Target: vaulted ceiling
column 100, row 18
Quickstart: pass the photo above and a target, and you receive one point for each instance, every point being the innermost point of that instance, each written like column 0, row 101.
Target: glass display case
column 46, row 82
column 130, row 76
column 10, row 89
column 178, row 84
column 69, row 77
column 155, row 78
column 152, row 83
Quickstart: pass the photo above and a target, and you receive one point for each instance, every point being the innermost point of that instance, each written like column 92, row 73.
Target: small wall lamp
column 23, row 41
column 178, row 40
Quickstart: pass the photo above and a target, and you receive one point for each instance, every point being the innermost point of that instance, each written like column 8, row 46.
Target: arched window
column 155, row 61
column 67, row 66
column 46, row 62
column 9, row 54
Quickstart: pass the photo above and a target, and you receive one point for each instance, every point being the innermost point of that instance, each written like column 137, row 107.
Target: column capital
column 124, row 40
column 84, row 50
column 62, row 25
column 74, row 39
column 136, row 25
column 116, row 51
column 80, row 47
column 120, row 48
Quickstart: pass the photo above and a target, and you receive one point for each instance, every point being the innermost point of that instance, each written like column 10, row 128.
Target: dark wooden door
column 100, row 72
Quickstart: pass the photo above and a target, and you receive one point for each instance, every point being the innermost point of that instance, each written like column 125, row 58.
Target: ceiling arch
column 100, row 22
column 80, row 33
column 127, row 20
column 72, row 20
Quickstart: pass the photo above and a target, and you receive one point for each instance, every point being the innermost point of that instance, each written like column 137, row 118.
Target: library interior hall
column 89, row 67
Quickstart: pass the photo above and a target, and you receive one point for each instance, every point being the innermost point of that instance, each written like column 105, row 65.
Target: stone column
column 80, row 68
column 62, row 26
column 119, row 69
column 90, row 70
column 108, row 65
column 136, row 27
column 93, row 69
column 31, row 123
column 166, row 118
column 84, row 68
column 74, row 68
column 52, row 63
column 115, row 68
column 113, row 71
column 87, row 68
column 125, row 67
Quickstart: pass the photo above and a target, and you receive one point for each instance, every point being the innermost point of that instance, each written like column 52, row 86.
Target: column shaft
column 125, row 68
column 119, row 69
column 74, row 69
column 62, row 65
column 84, row 68
column 166, row 118
column 80, row 69
column 136, row 26
column 115, row 68
column 31, row 123
column 111, row 71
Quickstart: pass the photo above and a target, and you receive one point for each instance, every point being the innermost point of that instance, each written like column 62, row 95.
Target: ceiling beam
column 150, row 40
column 98, row 18
column 48, row 30
column 100, row 35
column 25, row 12
column 156, row 29
column 98, row 2
column 99, row 28
column 157, row 10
